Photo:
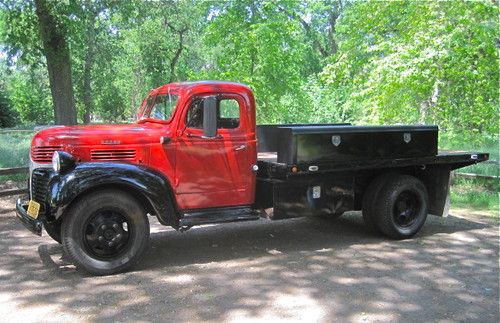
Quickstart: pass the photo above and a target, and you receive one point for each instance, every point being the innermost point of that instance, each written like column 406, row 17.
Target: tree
column 255, row 42
column 307, row 61
column 29, row 96
column 58, row 58
column 418, row 62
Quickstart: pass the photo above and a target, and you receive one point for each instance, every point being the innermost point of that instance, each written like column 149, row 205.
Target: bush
column 7, row 116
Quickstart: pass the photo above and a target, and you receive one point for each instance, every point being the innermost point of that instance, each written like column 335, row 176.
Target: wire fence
column 13, row 171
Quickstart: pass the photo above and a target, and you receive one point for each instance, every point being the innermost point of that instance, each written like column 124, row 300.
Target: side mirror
column 210, row 117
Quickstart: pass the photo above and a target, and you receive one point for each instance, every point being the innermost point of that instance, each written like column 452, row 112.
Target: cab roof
column 201, row 86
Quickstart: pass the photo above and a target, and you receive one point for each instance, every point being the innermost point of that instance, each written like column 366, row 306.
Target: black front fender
column 150, row 184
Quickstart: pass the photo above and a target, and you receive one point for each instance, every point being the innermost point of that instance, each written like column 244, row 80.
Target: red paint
column 204, row 173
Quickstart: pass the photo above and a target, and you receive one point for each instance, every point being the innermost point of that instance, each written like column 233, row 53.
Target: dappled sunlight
column 297, row 270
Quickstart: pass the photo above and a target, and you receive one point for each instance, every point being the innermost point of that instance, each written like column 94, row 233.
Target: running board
column 219, row 215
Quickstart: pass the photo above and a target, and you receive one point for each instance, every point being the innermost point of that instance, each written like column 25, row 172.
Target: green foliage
column 7, row 115
column 258, row 44
column 29, row 94
column 111, row 106
column 478, row 194
column 316, row 61
column 419, row 62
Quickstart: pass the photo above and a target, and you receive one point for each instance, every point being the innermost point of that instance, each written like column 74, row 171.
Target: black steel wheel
column 53, row 229
column 401, row 207
column 405, row 209
column 105, row 232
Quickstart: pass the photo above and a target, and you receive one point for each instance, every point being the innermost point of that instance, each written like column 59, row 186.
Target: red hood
column 101, row 134
column 80, row 141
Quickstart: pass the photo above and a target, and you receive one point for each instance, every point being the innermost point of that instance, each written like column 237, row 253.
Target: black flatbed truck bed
column 329, row 169
column 270, row 168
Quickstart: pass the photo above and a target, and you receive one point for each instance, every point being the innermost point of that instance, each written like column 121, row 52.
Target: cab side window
column 228, row 114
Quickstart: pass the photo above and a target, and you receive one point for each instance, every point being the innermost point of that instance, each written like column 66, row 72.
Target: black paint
column 144, row 183
column 302, row 144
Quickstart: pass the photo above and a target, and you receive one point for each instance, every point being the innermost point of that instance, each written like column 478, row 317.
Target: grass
column 14, row 149
column 482, row 194
column 14, row 152
column 474, row 143
column 477, row 194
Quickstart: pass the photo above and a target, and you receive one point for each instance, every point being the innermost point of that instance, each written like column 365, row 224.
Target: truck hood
column 80, row 141
column 121, row 134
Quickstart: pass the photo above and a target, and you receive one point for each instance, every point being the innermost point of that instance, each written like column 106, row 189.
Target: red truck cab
column 192, row 157
column 168, row 137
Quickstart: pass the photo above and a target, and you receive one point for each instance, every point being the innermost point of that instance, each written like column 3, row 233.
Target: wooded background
column 366, row 62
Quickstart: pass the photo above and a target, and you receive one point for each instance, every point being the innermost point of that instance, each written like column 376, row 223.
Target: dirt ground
column 309, row 270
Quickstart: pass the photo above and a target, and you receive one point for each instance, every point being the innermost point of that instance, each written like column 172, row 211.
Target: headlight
column 56, row 162
column 62, row 161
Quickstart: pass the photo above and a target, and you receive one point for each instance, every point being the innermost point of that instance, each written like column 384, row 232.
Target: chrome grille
column 112, row 154
column 39, row 184
column 43, row 154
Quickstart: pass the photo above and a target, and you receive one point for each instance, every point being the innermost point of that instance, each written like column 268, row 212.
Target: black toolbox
column 296, row 144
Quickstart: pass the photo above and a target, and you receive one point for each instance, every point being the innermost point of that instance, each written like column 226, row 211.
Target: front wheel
column 53, row 229
column 400, row 209
column 105, row 232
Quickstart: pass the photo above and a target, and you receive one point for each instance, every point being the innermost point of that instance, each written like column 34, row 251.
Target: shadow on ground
column 302, row 269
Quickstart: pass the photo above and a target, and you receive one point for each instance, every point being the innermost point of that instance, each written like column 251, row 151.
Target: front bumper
column 34, row 225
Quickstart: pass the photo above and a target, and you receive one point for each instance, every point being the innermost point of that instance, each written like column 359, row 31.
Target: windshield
column 163, row 106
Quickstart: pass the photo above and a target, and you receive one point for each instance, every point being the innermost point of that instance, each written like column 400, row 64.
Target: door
column 216, row 172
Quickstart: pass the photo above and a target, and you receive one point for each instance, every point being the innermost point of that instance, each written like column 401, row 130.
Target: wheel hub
column 406, row 209
column 106, row 233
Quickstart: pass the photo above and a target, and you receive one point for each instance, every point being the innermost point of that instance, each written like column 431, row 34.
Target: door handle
column 189, row 135
column 241, row 147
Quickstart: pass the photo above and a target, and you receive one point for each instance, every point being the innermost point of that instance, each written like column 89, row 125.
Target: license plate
column 33, row 209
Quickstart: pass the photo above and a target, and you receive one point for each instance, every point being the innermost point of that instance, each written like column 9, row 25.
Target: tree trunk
column 56, row 52
column 177, row 55
column 179, row 49
column 87, row 69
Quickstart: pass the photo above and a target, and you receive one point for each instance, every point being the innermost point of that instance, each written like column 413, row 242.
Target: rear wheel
column 330, row 216
column 370, row 199
column 401, row 207
column 105, row 232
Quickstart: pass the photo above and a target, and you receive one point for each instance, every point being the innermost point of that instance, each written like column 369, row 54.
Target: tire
column 105, row 232
column 53, row 229
column 329, row 216
column 401, row 207
column 370, row 198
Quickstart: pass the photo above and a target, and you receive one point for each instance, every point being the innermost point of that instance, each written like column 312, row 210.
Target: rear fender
column 437, row 182
column 144, row 183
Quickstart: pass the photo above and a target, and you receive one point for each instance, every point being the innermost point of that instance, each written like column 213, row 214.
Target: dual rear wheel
column 395, row 205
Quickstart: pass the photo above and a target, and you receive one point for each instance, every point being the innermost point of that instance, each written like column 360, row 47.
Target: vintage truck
column 195, row 156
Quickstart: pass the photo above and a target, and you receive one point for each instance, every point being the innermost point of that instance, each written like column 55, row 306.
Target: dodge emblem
column 336, row 140
column 407, row 137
